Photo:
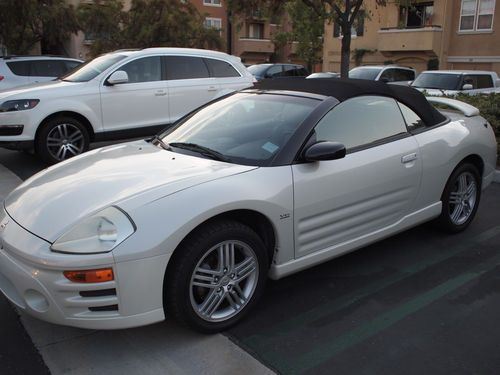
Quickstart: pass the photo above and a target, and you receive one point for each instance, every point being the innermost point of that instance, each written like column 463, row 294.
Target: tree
column 24, row 23
column 342, row 12
column 148, row 23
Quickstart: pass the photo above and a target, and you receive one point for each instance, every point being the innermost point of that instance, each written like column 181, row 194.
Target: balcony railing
column 249, row 44
column 424, row 38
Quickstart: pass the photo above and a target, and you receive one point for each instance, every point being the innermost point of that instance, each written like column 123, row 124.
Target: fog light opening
column 36, row 301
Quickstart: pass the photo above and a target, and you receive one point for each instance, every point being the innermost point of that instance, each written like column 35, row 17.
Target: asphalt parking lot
column 420, row 302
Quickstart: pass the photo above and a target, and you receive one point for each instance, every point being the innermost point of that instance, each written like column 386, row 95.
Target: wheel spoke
column 226, row 257
column 75, row 137
column 245, row 269
column 211, row 303
column 471, row 190
column 457, row 213
column 73, row 149
column 454, row 198
column 232, row 302
column 238, row 294
column 462, row 183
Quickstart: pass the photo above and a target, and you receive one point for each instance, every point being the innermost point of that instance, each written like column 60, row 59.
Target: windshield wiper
column 202, row 150
column 156, row 140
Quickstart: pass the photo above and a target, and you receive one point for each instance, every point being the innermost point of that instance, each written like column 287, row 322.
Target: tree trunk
column 345, row 51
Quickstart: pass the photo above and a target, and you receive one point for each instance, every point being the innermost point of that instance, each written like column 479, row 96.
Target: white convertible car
column 264, row 182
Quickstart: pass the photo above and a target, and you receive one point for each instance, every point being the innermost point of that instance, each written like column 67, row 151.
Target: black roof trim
column 343, row 89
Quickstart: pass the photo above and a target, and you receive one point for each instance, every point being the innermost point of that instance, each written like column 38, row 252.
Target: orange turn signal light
column 90, row 276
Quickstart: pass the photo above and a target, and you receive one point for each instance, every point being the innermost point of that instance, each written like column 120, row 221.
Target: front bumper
column 33, row 281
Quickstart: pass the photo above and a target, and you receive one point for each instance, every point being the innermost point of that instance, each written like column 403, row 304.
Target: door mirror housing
column 120, row 76
column 467, row 86
column 325, row 150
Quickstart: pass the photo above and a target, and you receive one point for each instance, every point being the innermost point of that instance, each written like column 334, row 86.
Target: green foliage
column 148, row 23
column 433, row 64
column 359, row 53
column 24, row 23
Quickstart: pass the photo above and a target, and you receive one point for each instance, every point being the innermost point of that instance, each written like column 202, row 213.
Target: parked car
column 117, row 95
column 264, row 182
column 263, row 71
column 383, row 73
column 24, row 70
column 451, row 82
column 323, row 75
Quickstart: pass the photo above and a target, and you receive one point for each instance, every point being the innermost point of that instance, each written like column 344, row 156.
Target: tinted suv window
column 69, row 64
column 19, row 68
column 185, row 67
column 361, row 121
column 47, row 68
column 404, row 75
column 274, row 71
column 147, row 69
column 484, row 81
column 219, row 68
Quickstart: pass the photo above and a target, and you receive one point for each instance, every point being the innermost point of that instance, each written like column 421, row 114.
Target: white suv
column 383, row 73
column 23, row 70
column 118, row 95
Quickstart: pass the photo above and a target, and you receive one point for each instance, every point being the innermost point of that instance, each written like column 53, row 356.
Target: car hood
column 52, row 201
column 35, row 89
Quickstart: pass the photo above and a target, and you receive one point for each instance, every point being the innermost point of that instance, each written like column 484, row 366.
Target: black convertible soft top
column 343, row 89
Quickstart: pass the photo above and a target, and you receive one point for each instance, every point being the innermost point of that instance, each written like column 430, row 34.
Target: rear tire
column 217, row 275
column 460, row 198
column 61, row 138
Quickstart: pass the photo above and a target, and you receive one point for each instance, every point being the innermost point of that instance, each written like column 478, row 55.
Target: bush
column 489, row 107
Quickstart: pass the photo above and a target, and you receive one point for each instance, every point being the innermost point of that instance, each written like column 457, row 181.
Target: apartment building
column 449, row 34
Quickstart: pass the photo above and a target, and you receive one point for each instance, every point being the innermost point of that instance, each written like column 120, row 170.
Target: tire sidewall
column 445, row 219
column 41, row 138
column 191, row 253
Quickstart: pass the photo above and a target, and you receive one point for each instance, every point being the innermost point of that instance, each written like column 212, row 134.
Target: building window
column 477, row 15
column 256, row 31
column 416, row 15
column 213, row 3
column 213, row 23
column 357, row 28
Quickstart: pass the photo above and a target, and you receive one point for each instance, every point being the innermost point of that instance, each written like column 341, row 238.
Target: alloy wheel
column 64, row 141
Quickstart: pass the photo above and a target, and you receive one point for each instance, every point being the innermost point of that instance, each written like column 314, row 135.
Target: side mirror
column 120, row 76
column 467, row 86
column 324, row 150
column 384, row 80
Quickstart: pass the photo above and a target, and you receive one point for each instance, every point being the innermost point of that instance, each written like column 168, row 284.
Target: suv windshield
column 364, row 73
column 245, row 128
column 441, row 81
column 93, row 68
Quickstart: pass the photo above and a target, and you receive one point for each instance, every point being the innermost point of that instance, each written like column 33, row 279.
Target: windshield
column 258, row 70
column 441, row 81
column 93, row 68
column 364, row 73
column 245, row 128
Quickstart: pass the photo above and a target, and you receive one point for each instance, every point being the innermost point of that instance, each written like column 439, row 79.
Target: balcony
column 423, row 39
column 256, row 45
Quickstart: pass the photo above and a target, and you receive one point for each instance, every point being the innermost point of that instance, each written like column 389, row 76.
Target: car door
column 371, row 188
column 189, row 84
column 140, row 102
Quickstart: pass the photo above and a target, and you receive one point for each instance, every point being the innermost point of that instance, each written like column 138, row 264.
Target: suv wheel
column 60, row 139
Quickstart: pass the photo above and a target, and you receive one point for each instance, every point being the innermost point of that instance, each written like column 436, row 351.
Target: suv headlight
column 18, row 105
column 99, row 233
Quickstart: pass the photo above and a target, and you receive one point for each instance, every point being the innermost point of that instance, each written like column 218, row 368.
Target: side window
column 147, row 69
column 403, row 75
column 361, row 121
column 289, row 71
column 186, row 67
column 387, row 75
column 19, row 68
column 274, row 71
column 69, row 65
column 47, row 68
column 220, row 69
column 469, row 80
column 484, row 81
column 413, row 121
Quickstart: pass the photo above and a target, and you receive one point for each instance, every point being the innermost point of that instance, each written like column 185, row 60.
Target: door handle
column 409, row 158
column 160, row 93
column 212, row 88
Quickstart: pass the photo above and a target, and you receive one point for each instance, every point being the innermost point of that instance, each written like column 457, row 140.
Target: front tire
column 217, row 275
column 61, row 138
column 460, row 198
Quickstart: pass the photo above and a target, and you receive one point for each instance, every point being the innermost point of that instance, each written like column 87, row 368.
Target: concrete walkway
column 163, row 348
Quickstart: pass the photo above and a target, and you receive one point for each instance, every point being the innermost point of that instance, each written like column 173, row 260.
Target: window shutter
column 360, row 23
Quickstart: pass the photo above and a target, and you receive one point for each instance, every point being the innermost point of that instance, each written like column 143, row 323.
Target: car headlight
column 99, row 233
column 18, row 105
